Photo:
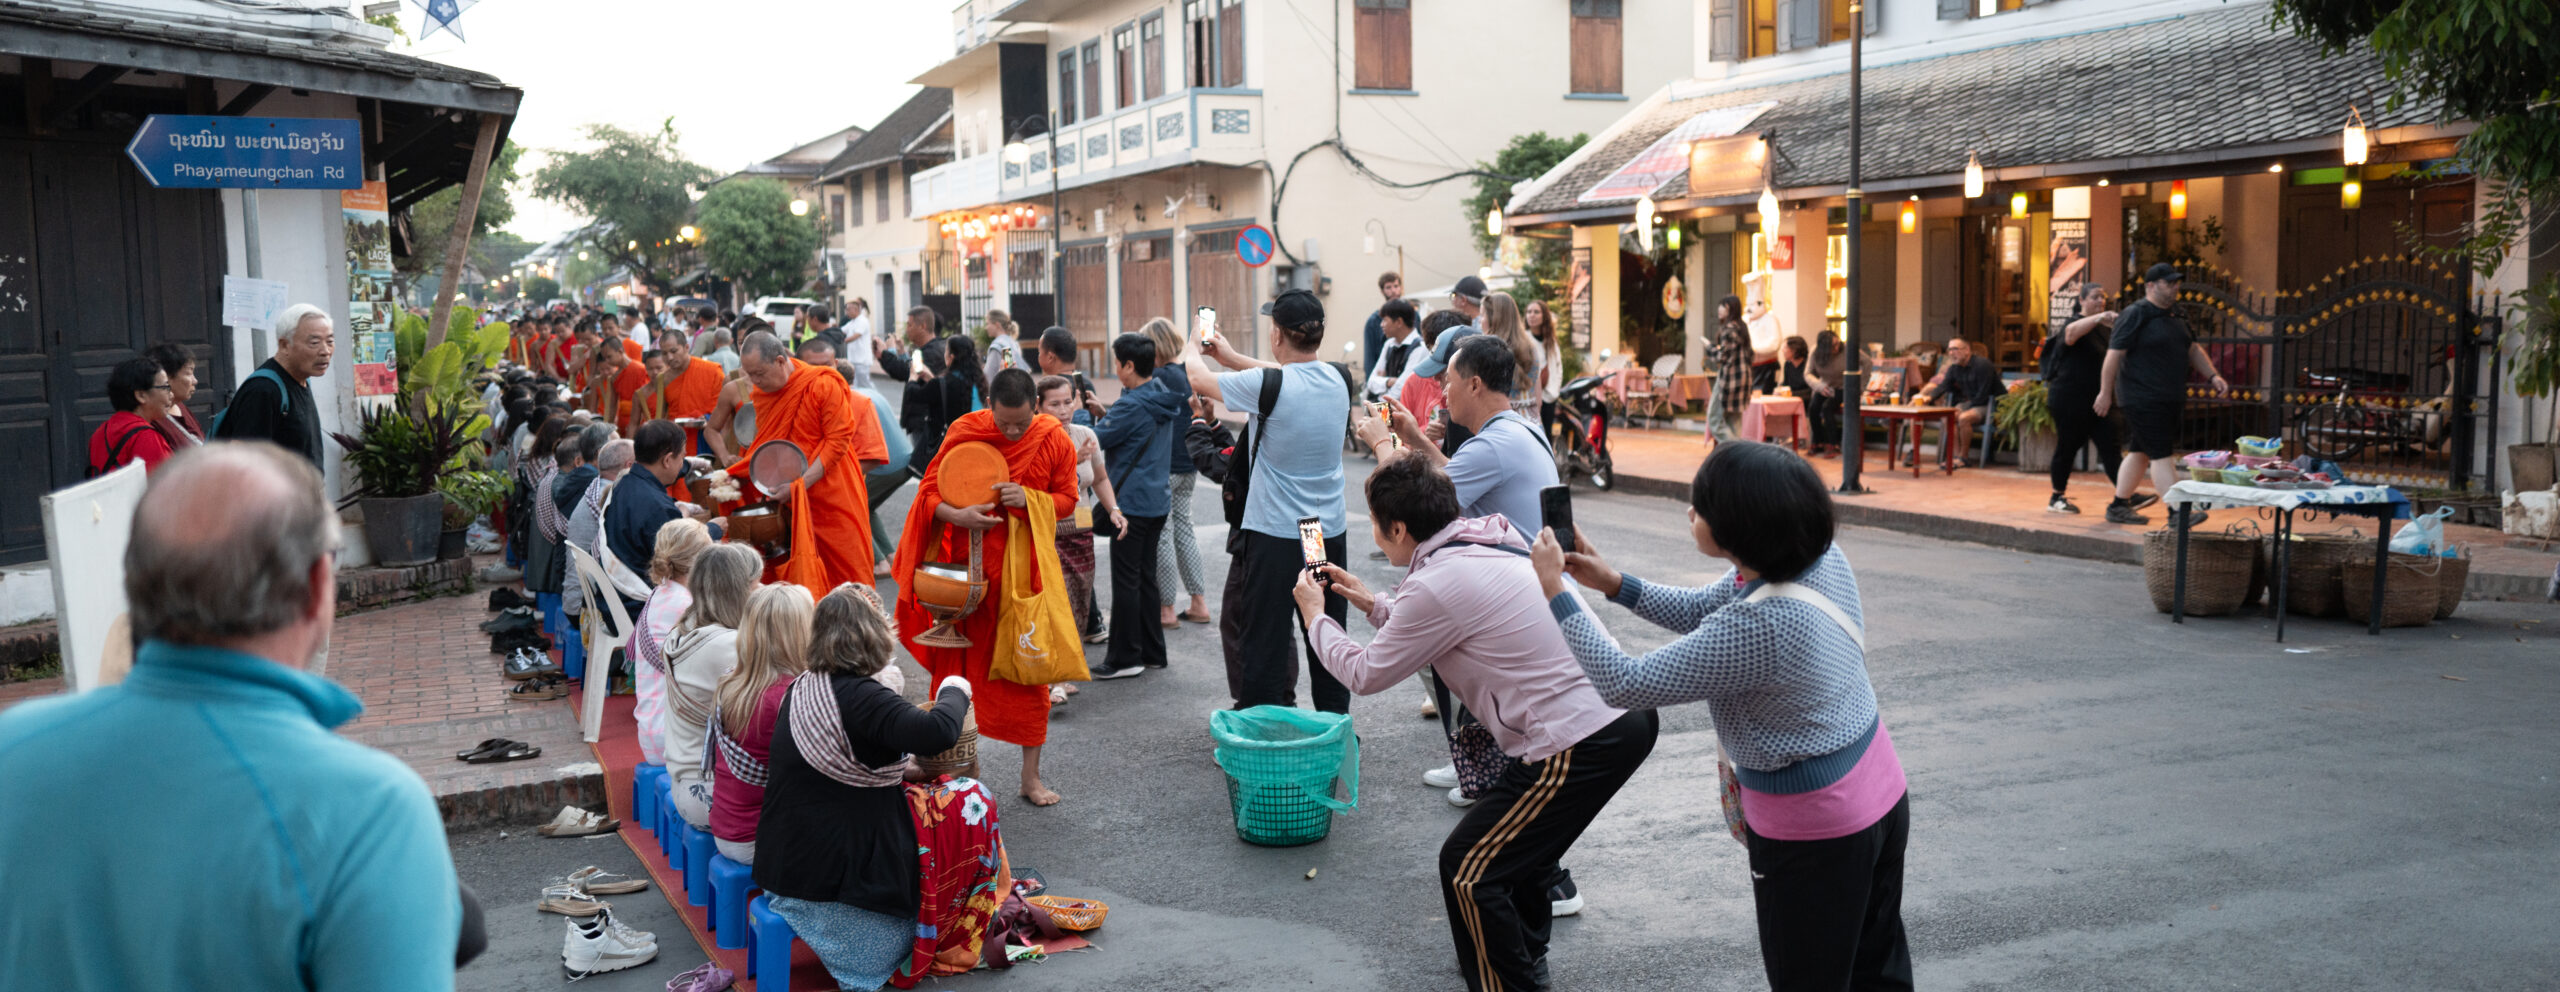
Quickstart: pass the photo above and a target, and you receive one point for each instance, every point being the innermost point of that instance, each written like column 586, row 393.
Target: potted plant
column 398, row 458
column 2536, row 337
column 467, row 496
column 2026, row 416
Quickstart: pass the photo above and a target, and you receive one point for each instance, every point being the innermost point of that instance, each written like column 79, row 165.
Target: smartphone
column 1555, row 512
column 1386, row 415
column 1207, row 320
column 1311, row 540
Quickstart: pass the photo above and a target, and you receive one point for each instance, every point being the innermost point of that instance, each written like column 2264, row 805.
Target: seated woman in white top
column 702, row 651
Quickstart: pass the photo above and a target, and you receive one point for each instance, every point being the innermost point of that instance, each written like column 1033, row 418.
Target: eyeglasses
column 160, row 387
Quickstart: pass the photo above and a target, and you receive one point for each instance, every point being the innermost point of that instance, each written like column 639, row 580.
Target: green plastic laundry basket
column 1282, row 764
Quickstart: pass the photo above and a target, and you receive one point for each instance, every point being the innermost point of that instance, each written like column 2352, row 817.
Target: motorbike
column 1584, row 449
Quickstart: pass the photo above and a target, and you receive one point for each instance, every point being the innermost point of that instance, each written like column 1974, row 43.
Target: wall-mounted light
column 1017, row 152
column 2353, row 143
column 2351, row 194
column 2102, row 180
column 1493, row 222
column 2178, row 199
column 2275, row 167
column 1368, row 244
column 1910, row 215
column 1972, row 175
column 799, row 208
column 2018, row 205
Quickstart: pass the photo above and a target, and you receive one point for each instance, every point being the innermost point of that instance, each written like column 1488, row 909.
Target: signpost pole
column 259, row 349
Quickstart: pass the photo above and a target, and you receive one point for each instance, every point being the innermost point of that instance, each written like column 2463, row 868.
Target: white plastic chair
column 1655, row 397
column 600, row 645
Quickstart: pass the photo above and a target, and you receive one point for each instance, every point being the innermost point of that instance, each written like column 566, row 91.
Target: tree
column 2496, row 63
column 749, row 235
column 431, row 223
column 634, row 186
column 1542, row 260
column 541, row 289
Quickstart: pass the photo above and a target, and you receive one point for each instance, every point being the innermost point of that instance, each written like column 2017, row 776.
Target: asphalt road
column 2100, row 800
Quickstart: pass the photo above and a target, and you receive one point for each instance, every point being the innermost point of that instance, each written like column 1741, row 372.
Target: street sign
column 1254, row 245
column 186, row 152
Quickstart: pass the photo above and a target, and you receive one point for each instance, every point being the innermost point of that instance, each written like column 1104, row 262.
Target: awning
column 690, row 278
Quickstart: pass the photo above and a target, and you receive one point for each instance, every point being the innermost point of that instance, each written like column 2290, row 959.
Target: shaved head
column 226, row 545
column 761, row 346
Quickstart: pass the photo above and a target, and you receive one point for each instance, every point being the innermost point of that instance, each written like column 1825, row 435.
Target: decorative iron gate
column 2378, row 367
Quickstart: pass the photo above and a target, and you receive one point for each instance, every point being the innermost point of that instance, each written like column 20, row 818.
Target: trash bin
column 1282, row 764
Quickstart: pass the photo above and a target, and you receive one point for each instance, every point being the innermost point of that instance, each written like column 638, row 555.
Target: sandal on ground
column 576, row 822
column 567, row 900
column 538, row 690
column 1194, row 617
column 1057, row 696
column 482, row 748
column 598, row 881
column 1098, row 637
column 506, row 751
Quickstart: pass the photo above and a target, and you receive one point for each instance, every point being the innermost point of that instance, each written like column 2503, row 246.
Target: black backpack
column 1239, row 483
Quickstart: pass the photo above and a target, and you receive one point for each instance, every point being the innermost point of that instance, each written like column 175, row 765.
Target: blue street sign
column 184, row 152
column 1253, row 244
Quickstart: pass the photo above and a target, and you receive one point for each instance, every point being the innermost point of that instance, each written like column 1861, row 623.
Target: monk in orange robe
column 1041, row 462
column 809, row 406
column 693, row 384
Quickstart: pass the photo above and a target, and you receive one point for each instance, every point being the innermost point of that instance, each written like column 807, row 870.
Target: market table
column 2382, row 504
column 1691, row 388
column 1909, row 419
column 1757, row 414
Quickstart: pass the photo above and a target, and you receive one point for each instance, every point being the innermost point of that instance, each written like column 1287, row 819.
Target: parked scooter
column 1584, row 449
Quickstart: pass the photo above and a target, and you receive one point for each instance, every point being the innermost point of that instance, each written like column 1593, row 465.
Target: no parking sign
column 1254, row 245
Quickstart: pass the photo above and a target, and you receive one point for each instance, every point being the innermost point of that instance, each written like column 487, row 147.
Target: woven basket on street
column 1072, row 914
column 2408, row 590
column 2217, row 570
column 2311, row 579
column 962, row 759
column 2449, row 585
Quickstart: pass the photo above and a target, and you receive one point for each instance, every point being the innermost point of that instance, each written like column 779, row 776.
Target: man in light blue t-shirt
column 1501, row 468
column 1297, row 473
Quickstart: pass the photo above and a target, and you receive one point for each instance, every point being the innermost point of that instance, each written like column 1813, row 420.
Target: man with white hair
column 200, row 825
column 275, row 405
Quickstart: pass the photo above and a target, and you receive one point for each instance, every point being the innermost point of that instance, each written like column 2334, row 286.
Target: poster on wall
column 1578, row 295
column 2067, row 260
column 370, row 303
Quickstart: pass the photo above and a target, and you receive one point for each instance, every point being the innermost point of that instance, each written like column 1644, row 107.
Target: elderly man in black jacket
column 1969, row 383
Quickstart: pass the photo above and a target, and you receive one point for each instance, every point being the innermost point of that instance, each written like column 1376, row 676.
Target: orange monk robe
column 694, row 391
column 816, row 412
column 630, row 347
column 1043, row 463
column 626, row 390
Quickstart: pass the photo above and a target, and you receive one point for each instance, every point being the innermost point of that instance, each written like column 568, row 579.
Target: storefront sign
column 1578, row 297
column 1782, row 252
column 186, row 152
column 371, row 306
column 1725, row 166
column 2069, row 258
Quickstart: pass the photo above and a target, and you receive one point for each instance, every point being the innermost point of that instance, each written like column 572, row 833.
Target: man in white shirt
column 857, row 342
column 1401, row 331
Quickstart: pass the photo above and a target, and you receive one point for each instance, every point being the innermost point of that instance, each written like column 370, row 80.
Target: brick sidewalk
column 2003, row 506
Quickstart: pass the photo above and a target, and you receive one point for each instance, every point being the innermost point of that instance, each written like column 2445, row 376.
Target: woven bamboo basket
column 962, row 759
column 2311, row 581
column 2217, row 571
column 2408, row 590
column 1072, row 914
column 2449, row 585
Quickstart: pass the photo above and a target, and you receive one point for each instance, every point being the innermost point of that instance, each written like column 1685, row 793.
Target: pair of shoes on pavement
column 579, row 821
column 507, row 599
column 513, row 618
column 524, row 664
column 547, row 685
column 512, row 641
column 600, row 943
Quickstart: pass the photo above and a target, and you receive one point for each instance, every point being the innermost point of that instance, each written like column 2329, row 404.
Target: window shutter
column 1396, row 45
column 1724, row 27
column 1951, row 10
column 1875, row 21
column 1368, row 45
column 1804, row 23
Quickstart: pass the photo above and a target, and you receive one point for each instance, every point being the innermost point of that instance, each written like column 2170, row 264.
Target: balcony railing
column 957, row 185
column 1201, row 125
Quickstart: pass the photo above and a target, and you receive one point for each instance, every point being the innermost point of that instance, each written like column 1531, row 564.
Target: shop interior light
column 2353, row 143
column 2018, row 205
column 1972, row 175
column 2102, row 180
column 2178, row 199
column 1768, row 209
column 1910, row 216
column 2350, row 194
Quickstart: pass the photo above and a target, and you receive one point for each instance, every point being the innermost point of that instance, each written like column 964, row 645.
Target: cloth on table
column 960, row 856
column 1756, row 414
column 2218, row 494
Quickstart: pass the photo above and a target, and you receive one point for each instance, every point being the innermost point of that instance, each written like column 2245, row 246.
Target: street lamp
column 799, row 208
column 582, row 254
column 1017, row 151
column 687, row 232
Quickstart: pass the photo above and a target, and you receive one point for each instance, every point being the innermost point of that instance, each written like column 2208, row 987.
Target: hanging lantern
column 2018, row 205
column 1768, row 209
column 1493, row 222
column 1671, row 237
column 799, row 208
column 2353, row 144
column 1644, row 222
column 1910, row 216
column 1972, row 176
column 2350, row 194
column 2178, row 200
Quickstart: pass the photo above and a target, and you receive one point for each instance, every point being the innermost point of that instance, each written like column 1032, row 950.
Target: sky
column 745, row 80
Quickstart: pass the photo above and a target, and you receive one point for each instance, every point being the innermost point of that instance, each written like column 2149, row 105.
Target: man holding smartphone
column 1502, row 466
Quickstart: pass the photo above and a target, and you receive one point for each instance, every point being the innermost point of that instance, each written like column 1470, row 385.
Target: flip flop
column 536, row 691
column 1195, row 617
column 567, row 899
column 507, row 751
column 573, row 821
column 484, row 747
column 598, row 881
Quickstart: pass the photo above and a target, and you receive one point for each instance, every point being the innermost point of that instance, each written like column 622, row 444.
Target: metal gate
column 977, row 290
column 1026, row 281
column 2378, row 367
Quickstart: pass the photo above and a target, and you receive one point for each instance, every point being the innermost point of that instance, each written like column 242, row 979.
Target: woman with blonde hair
column 1502, row 320
column 773, row 649
column 680, row 541
column 700, row 653
column 837, row 846
column 1178, row 555
column 1542, row 329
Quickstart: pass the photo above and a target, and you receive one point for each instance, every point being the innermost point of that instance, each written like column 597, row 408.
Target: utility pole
column 1853, row 448
column 1057, row 259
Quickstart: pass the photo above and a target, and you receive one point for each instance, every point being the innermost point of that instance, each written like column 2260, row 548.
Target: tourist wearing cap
column 1297, row 473
column 2148, row 358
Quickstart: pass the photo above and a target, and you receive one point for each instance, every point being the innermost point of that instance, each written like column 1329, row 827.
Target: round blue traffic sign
column 1254, row 245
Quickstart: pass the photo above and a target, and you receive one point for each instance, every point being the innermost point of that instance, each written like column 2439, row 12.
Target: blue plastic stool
column 730, row 882
column 668, row 846
column 697, row 866
column 548, row 604
column 773, row 937
column 573, row 652
column 644, row 796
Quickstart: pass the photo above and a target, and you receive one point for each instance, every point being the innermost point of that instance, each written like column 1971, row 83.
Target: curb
column 516, row 805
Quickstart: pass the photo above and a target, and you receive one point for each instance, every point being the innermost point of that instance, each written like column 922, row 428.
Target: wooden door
column 1146, row 282
column 1875, row 284
column 1941, row 290
column 1218, row 278
column 1088, row 304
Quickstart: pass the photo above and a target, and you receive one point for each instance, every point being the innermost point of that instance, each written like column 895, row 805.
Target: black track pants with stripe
column 1495, row 867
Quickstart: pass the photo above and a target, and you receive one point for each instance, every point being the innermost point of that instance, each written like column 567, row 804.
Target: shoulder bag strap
column 1808, row 595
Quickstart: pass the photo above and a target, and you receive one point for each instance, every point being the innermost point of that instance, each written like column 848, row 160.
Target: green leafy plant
column 635, row 186
column 749, row 235
column 468, row 495
column 2025, row 411
column 442, row 377
column 398, row 454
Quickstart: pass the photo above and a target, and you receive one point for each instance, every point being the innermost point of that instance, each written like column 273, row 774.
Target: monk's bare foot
column 1039, row 795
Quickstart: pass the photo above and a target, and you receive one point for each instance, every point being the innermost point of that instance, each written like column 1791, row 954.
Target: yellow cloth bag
column 1036, row 642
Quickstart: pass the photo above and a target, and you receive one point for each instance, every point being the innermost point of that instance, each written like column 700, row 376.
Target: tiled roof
column 893, row 133
column 2217, row 79
column 355, row 57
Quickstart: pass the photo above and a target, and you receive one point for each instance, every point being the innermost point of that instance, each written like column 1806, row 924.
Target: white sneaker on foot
column 600, row 943
column 1443, row 777
column 1460, row 799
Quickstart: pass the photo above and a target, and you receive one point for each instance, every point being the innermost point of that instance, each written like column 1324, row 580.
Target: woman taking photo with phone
column 1776, row 649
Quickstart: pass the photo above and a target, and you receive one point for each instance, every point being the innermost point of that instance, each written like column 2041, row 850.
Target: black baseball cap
column 2163, row 270
column 1295, row 308
column 1471, row 288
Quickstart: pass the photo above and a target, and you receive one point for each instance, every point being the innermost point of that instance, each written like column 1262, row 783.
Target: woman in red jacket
column 140, row 393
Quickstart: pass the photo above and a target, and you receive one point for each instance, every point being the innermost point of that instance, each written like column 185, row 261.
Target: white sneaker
column 1443, row 777
column 1459, row 798
column 600, row 943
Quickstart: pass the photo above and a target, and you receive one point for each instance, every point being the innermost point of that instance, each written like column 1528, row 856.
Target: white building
column 876, row 251
column 1349, row 130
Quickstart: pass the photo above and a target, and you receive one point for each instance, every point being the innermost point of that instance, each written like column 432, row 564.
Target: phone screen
column 1386, row 415
column 1206, row 318
column 1311, row 539
column 1555, row 510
